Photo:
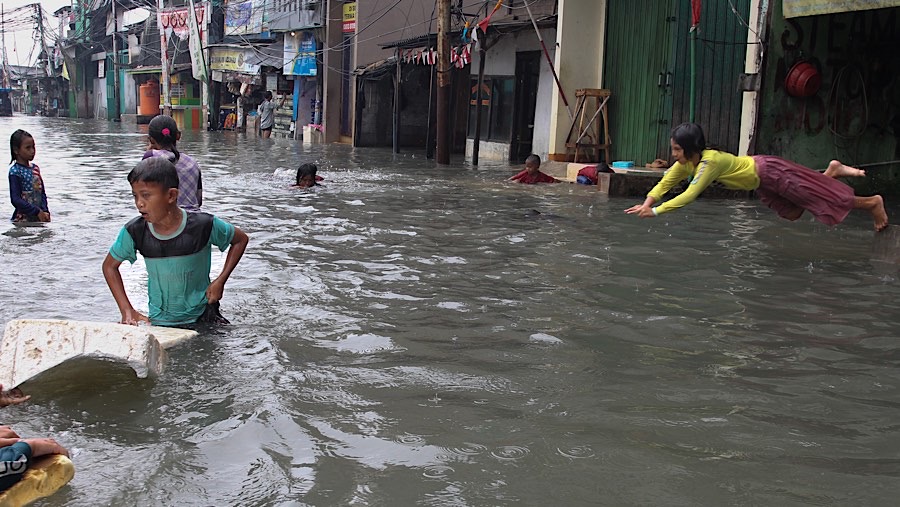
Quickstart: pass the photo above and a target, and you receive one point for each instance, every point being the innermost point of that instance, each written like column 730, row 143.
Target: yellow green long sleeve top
column 736, row 173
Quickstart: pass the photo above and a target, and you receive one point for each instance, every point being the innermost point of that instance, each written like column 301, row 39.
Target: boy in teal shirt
column 177, row 249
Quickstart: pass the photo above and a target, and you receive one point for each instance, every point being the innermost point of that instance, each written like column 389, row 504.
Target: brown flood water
column 412, row 335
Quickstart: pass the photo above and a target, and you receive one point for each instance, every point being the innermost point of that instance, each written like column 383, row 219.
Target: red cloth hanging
column 695, row 12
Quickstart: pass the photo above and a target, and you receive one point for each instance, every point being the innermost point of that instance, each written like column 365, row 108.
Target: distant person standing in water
column 532, row 173
column 26, row 186
column 786, row 187
column 266, row 112
column 164, row 136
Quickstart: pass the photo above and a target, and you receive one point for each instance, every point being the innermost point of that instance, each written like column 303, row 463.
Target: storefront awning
column 797, row 8
column 271, row 55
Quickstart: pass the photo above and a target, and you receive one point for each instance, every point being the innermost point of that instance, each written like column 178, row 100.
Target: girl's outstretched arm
column 643, row 210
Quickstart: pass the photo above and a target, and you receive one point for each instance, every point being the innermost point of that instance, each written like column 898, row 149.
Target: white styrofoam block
column 30, row 347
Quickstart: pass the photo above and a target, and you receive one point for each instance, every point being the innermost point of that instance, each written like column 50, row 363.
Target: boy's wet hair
column 164, row 131
column 268, row 95
column 532, row 159
column 155, row 170
column 306, row 170
column 690, row 137
column 15, row 142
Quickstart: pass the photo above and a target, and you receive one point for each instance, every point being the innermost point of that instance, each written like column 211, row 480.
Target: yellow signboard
column 797, row 8
column 233, row 60
column 350, row 11
column 349, row 25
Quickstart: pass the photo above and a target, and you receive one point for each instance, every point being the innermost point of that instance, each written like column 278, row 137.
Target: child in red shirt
column 532, row 174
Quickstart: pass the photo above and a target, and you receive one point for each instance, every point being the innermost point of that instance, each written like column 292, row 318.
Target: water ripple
column 577, row 452
column 510, row 452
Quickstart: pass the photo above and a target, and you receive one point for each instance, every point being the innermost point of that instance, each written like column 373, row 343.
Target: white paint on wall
column 750, row 103
column 129, row 94
column 544, row 108
column 488, row 150
column 100, row 111
column 579, row 60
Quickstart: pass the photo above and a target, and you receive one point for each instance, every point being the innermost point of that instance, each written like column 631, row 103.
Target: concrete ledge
column 639, row 181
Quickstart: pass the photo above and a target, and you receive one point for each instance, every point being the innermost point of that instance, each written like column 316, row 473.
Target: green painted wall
column 855, row 116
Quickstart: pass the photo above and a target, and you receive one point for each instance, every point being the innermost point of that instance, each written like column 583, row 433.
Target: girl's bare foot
column 875, row 206
column 838, row 170
column 879, row 213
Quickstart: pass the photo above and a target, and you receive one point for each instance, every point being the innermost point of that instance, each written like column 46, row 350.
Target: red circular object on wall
column 803, row 80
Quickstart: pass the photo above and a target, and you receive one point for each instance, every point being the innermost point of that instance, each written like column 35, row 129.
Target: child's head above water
column 306, row 175
column 156, row 170
column 21, row 146
column 532, row 163
column 164, row 132
column 154, row 185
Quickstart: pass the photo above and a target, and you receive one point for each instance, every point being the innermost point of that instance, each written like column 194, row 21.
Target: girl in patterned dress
column 164, row 136
column 26, row 187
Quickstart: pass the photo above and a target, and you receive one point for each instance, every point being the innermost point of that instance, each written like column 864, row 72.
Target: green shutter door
column 639, row 46
column 721, row 49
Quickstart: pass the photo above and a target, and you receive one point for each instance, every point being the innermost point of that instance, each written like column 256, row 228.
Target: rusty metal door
column 639, row 73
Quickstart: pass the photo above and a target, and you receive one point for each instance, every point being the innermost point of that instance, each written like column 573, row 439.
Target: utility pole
column 164, row 47
column 442, row 154
column 39, row 13
column 3, row 33
column 482, row 56
column 115, row 61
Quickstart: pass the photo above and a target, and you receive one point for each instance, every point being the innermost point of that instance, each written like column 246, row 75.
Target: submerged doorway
column 528, row 73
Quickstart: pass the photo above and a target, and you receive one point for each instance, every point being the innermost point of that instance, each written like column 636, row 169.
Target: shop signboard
column 244, row 17
column 797, row 8
column 176, row 20
column 300, row 54
column 231, row 60
column 349, row 19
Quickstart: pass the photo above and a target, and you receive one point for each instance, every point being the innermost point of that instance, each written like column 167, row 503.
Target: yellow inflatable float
column 43, row 478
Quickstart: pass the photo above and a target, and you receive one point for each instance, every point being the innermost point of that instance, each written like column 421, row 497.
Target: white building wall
column 99, row 100
column 579, row 61
column 501, row 61
column 544, row 108
column 129, row 94
column 752, row 62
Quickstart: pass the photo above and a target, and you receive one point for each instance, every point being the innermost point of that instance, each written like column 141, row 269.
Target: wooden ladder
column 587, row 135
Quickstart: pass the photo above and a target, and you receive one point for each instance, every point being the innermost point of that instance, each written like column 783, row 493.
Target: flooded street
column 412, row 335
